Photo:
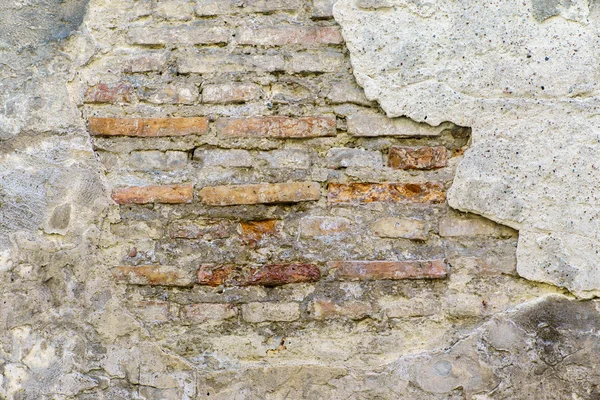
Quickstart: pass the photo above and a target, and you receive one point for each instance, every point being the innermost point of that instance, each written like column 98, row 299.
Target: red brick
column 254, row 231
column 326, row 309
column 148, row 127
column 375, row 270
column 208, row 312
column 154, row 275
column 261, row 193
column 169, row 194
column 104, row 93
column 276, row 127
column 267, row 275
column 418, row 157
column 204, row 229
column 291, row 35
column 428, row 192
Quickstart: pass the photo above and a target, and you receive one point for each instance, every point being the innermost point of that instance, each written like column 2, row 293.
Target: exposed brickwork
column 429, row 192
column 148, row 127
column 152, row 275
column 285, row 36
column 263, row 312
column 231, row 93
column 370, row 270
column 170, row 194
column 104, row 93
column 201, row 229
column 326, row 309
column 198, row 313
column 276, row 127
column 418, row 157
column 406, row 228
column 254, row 231
column 267, row 275
column 263, row 193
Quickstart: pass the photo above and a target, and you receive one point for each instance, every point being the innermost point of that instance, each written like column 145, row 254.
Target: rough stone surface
column 538, row 73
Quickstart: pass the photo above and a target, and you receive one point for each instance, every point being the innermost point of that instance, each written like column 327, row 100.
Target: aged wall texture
column 199, row 200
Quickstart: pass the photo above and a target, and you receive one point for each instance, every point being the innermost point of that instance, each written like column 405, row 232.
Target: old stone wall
column 199, row 201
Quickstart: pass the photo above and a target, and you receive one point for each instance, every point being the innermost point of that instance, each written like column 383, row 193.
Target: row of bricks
column 188, row 93
column 360, row 125
column 221, row 60
column 257, row 312
column 252, row 232
column 278, row 193
column 183, row 9
column 406, row 158
column 200, row 34
column 279, row 274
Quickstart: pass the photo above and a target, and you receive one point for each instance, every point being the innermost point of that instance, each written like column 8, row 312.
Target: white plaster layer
column 524, row 76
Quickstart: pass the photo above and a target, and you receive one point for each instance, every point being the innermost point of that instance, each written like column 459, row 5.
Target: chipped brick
column 260, row 193
column 266, row 275
column 148, row 127
column 354, row 193
column 277, row 127
column 154, row 275
column 418, row 157
column 290, row 35
column 169, row 194
column 104, row 93
column 396, row 270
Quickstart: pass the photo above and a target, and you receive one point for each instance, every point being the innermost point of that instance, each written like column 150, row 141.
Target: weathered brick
column 266, row 275
column 327, row 309
column 221, row 7
column 472, row 225
column 149, row 61
column 340, row 157
column 323, row 8
column 323, row 226
column 261, row 193
column 375, row 270
column 238, row 92
column 208, row 312
column 323, row 61
column 380, row 125
column 169, row 194
column 190, row 34
column 153, row 311
column 418, row 157
column 254, row 231
column 413, row 307
column 406, row 228
column 277, row 127
column 347, row 92
column 173, row 10
column 104, row 93
column 270, row 312
column 155, row 275
column 153, row 159
column 223, row 158
column 287, row 158
column 491, row 265
column 428, row 192
column 205, row 229
column 148, row 127
column 306, row 36
column 212, row 62
column 172, row 94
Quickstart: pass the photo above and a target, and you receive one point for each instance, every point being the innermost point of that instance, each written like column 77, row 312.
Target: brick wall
column 262, row 199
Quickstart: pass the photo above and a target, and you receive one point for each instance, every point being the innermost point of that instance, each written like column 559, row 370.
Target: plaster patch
column 523, row 75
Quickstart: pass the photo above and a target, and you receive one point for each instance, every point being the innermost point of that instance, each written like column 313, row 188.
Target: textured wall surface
column 197, row 200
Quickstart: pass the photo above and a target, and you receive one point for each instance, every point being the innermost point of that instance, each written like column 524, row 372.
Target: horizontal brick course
column 191, row 34
column 260, row 193
column 204, row 312
column 254, row 231
column 223, row 7
column 418, row 157
column 231, row 93
column 406, row 228
column 370, row 125
column 152, row 275
column 327, row 309
column 270, row 312
column 323, row 226
column 219, row 62
column 276, row 127
column 201, row 229
column 148, row 127
column 266, row 275
column 396, row 270
column 354, row 193
column 169, row 194
column 290, row 35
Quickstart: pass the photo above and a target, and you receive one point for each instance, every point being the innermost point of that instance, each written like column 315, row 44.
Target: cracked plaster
column 524, row 76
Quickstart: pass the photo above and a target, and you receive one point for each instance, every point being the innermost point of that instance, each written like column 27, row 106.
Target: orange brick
column 103, row 93
column 375, row 270
column 326, row 309
column 148, row 127
column 254, row 231
column 277, row 127
column 428, row 192
column 170, row 194
column 290, row 35
column 154, row 275
column 418, row 157
column 261, row 193
column 266, row 275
